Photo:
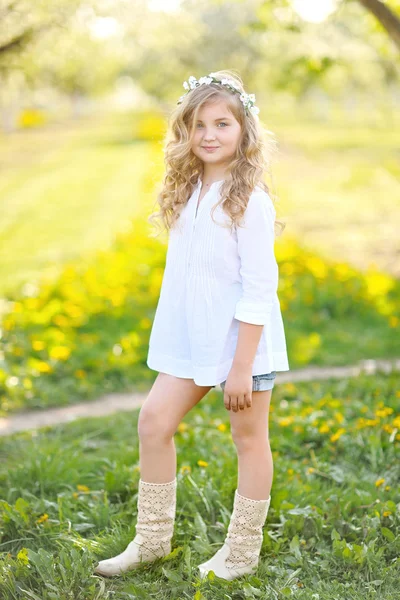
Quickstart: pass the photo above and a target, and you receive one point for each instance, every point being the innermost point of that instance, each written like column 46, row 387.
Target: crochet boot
column 154, row 529
column 240, row 553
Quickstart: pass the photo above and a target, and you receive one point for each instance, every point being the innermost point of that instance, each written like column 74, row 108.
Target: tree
column 386, row 18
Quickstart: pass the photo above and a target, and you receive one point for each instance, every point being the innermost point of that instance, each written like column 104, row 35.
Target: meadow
column 80, row 279
column 81, row 276
column 333, row 529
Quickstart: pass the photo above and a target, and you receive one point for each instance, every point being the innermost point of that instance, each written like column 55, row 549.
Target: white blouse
column 213, row 279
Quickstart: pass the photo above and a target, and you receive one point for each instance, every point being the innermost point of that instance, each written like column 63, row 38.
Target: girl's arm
column 259, row 271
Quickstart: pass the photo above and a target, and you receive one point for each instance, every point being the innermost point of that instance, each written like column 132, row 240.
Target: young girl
column 218, row 319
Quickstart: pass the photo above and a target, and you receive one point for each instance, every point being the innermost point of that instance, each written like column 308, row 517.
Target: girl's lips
column 210, row 148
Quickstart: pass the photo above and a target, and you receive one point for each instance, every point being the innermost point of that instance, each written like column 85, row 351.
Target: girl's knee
column 246, row 439
column 154, row 428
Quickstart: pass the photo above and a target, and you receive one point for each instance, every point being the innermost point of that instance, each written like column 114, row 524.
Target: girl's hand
column 238, row 389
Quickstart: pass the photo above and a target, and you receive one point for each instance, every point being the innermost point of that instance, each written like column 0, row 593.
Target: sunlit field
column 70, row 493
column 87, row 90
column 78, row 326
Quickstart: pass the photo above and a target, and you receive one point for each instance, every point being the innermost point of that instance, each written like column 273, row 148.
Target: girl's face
column 216, row 135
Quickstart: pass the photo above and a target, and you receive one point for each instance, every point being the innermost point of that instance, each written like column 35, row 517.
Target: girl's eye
column 222, row 123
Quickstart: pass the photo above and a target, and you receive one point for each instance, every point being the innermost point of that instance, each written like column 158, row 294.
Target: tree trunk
column 386, row 18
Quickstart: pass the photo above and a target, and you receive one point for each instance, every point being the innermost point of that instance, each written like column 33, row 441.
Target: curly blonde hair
column 183, row 167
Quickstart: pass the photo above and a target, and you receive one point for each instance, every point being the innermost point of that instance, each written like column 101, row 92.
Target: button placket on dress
column 196, row 214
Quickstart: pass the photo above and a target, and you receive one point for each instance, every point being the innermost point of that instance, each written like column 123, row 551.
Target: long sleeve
column 258, row 266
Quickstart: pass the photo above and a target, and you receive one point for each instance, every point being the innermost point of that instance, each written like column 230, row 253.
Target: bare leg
column 169, row 400
column 240, row 552
column 250, row 434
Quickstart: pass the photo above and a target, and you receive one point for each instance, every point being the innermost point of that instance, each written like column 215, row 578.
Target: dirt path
column 112, row 403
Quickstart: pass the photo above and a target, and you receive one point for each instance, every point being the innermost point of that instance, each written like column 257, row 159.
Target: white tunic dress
column 213, row 279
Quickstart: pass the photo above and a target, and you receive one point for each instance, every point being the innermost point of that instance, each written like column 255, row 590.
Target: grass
column 79, row 186
column 79, row 327
column 69, row 499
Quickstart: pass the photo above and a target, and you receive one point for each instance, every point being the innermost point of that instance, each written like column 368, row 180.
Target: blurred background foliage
column 86, row 88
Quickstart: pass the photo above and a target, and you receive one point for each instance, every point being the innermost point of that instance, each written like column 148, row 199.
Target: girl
column 218, row 318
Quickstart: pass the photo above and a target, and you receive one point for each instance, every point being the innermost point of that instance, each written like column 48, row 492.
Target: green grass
column 332, row 530
column 78, row 326
column 80, row 186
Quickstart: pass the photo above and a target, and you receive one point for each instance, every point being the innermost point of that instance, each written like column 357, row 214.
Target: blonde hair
column 183, row 167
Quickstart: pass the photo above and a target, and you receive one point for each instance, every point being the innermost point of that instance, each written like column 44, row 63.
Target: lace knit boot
column 154, row 529
column 240, row 553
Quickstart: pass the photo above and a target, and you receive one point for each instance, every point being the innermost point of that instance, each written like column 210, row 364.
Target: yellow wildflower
column 61, row 320
column 42, row 518
column 202, row 463
column 222, row 427
column 185, row 469
column 379, row 482
column 396, row 422
column 387, row 513
column 339, row 417
column 324, row 428
column 335, row 436
column 383, row 412
column 60, row 352
column 43, row 367
column 182, row 427
column 82, row 488
column 285, row 421
column 387, row 427
column 23, row 555
column 38, row 345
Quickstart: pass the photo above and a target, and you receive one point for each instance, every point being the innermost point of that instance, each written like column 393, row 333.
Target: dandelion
column 43, row 367
column 60, row 352
column 185, row 469
column 334, row 437
column 387, row 513
column 38, row 345
column 202, row 463
column 379, row 482
column 383, row 412
column 396, row 422
column 221, row 427
column 43, row 518
column 182, row 427
column 82, row 488
column 286, row 421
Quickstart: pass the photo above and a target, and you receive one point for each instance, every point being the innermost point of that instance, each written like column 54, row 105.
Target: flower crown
column 247, row 100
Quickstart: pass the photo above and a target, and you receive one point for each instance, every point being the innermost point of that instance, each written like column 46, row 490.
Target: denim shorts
column 260, row 382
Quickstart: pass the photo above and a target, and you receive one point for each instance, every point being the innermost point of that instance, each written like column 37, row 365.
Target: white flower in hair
column 254, row 110
column 247, row 100
column 192, row 82
column 206, row 80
